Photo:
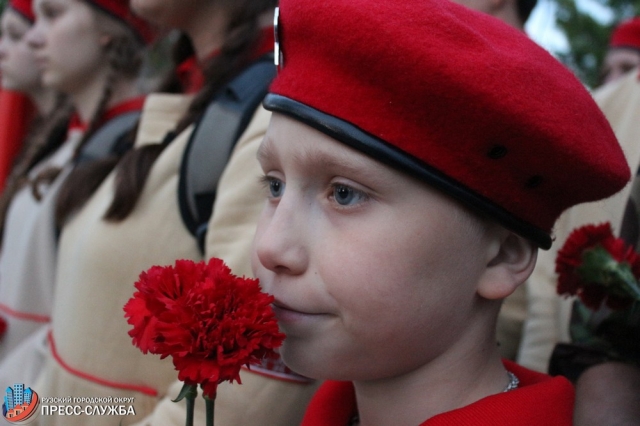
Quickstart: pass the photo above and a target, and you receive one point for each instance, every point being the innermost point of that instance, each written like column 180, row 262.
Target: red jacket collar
column 133, row 104
column 191, row 71
column 334, row 404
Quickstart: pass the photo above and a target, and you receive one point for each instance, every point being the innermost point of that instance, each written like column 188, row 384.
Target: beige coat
column 548, row 318
column 27, row 270
column 98, row 262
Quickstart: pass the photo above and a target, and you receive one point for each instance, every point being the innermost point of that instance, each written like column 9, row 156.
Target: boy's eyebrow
column 313, row 157
column 324, row 161
column 265, row 151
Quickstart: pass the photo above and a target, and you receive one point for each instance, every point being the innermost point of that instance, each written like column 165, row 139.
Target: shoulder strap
column 213, row 139
column 107, row 138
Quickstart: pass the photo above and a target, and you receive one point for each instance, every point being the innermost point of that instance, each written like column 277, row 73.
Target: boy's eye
column 276, row 186
column 346, row 196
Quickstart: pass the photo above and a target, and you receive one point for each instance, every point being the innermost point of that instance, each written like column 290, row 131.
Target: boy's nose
column 280, row 245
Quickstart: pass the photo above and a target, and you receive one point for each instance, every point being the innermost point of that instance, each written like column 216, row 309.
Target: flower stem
column 633, row 289
column 190, row 392
column 209, row 405
column 191, row 402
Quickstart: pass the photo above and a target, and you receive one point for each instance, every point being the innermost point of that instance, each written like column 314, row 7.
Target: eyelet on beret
column 534, row 181
column 497, row 151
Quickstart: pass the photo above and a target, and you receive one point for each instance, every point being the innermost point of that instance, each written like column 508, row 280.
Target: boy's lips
column 287, row 313
column 281, row 306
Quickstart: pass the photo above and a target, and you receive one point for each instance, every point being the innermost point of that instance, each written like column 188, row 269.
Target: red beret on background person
column 24, row 8
column 119, row 9
column 480, row 111
column 626, row 34
column 623, row 53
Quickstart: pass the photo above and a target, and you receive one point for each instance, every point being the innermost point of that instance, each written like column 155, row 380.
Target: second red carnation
column 593, row 285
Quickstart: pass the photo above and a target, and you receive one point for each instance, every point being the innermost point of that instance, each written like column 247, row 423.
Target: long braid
column 133, row 168
column 181, row 51
column 44, row 177
column 241, row 36
column 48, row 175
column 123, row 60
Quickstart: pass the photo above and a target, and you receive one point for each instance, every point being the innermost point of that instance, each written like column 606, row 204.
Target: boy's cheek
column 256, row 266
column 258, row 269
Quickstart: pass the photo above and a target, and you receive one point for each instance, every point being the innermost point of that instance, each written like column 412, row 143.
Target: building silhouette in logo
column 8, row 399
column 20, row 404
column 18, row 394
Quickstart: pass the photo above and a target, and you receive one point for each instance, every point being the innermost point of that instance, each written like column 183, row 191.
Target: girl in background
column 90, row 51
column 22, row 98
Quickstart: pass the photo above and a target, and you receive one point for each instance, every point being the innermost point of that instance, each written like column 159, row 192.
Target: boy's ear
column 510, row 265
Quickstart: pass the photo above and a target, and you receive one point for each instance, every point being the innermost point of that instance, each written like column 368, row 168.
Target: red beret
column 24, row 8
column 453, row 97
column 626, row 34
column 120, row 9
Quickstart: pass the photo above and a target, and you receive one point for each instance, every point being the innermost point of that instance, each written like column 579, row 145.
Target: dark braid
column 124, row 60
column 181, row 51
column 45, row 136
column 131, row 168
column 96, row 119
column 241, row 37
column 236, row 52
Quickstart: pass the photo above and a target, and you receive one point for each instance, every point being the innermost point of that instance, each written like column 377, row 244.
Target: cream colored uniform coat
column 99, row 262
column 549, row 314
column 27, row 270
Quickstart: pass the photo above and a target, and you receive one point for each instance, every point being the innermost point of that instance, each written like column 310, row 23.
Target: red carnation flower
column 598, row 267
column 3, row 327
column 208, row 320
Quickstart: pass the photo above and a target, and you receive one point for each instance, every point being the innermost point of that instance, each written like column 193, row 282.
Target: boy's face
column 374, row 274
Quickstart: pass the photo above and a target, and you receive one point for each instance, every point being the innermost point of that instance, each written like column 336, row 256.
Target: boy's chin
column 315, row 364
column 307, row 365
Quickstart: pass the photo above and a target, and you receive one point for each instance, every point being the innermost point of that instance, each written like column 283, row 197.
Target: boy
column 417, row 157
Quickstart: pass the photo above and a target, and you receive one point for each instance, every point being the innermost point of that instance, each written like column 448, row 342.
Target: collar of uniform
column 191, row 71
column 132, row 104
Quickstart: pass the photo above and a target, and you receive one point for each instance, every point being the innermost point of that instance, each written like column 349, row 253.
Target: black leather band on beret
column 377, row 148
